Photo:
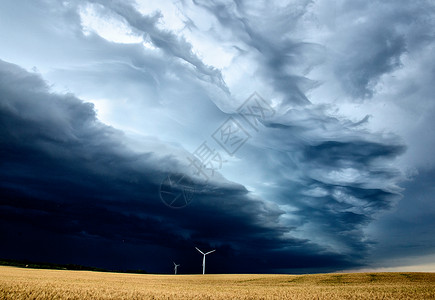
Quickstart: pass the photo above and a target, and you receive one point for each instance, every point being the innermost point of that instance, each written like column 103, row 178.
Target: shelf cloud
column 105, row 106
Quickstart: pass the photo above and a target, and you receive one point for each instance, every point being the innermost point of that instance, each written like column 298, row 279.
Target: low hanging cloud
column 66, row 173
column 297, row 197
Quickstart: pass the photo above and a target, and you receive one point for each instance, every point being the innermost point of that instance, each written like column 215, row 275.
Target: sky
column 291, row 136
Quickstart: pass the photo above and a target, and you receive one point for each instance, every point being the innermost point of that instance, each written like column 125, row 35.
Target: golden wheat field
column 19, row 283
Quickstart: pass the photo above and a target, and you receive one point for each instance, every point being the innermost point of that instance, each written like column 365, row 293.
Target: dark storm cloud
column 70, row 184
column 73, row 190
column 349, row 154
column 408, row 229
column 331, row 178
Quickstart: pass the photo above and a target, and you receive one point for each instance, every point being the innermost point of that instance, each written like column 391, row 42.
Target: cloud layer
column 90, row 133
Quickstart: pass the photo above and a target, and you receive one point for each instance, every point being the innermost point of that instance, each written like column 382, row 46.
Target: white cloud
column 95, row 20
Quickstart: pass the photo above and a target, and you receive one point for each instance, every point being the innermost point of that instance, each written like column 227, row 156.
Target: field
column 22, row 283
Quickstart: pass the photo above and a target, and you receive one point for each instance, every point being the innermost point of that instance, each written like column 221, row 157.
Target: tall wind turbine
column 203, row 260
column 175, row 268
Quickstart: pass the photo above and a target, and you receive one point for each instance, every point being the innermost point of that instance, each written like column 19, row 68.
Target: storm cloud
column 91, row 126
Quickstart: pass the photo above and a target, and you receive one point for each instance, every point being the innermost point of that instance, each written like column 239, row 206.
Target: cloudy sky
column 292, row 136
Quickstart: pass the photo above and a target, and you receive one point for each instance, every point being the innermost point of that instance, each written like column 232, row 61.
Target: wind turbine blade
column 210, row 252
column 200, row 251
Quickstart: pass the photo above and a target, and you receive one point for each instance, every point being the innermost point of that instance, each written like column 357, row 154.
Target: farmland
column 25, row 283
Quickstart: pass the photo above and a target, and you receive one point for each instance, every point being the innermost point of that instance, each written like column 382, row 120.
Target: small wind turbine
column 203, row 260
column 175, row 268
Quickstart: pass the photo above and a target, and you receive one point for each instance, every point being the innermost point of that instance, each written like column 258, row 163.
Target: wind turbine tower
column 175, row 268
column 203, row 260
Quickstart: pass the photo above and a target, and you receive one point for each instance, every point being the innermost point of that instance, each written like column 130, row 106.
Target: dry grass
column 17, row 283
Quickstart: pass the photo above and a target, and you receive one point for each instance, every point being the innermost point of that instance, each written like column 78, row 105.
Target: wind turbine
column 203, row 260
column 175, row 268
